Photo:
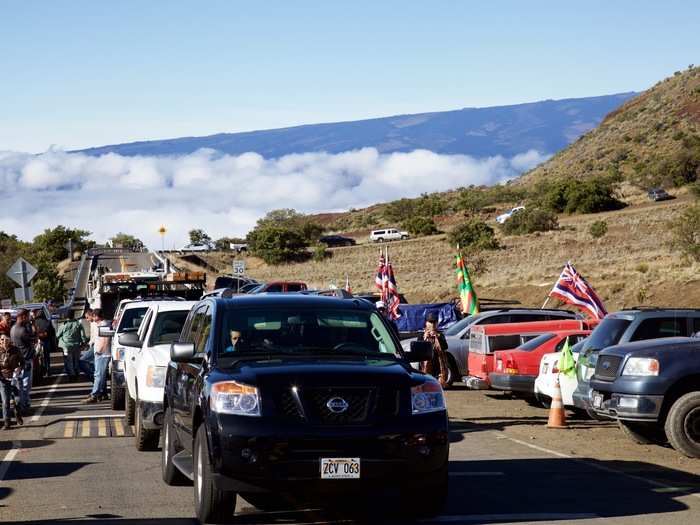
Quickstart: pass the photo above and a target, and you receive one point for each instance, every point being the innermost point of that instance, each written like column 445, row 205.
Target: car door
column 177, row 376
column 131, row 353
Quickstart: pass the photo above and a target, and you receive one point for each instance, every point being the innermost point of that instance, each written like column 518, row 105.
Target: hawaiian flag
column 379, row 276
column 392, row 292
column 573, row 289
column 347, row 284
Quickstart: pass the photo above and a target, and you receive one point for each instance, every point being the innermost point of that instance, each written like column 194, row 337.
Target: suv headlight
column 230, row 397
column 641, row 366
column 155, row 376
column 427, row 397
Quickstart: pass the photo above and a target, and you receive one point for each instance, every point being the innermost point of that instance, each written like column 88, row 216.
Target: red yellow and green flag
column 467, row 295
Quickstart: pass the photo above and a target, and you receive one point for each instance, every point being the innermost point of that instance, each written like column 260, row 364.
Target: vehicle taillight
column 511, row 367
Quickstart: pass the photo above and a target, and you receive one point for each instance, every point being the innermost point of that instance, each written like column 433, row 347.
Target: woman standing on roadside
column 11, row 362
column 432, row 335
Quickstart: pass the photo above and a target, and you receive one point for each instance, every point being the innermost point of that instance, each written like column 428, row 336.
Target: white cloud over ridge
column 223, row 194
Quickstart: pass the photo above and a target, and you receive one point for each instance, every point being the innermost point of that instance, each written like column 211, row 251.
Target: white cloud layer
column 223, row 194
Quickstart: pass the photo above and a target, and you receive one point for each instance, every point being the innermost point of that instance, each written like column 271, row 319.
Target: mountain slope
column 545, row 126
column 652, row 139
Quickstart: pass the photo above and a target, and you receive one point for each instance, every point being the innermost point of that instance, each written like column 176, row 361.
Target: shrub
column 320, row 253
column 579, row 196
column 420, row 226
column 695, row 189
column 530, row 220
column 276, row 244
column 474, row 234
column 686, row 233
column 598, row 229
column 404, row 209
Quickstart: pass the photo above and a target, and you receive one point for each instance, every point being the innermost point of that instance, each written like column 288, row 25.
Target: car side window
column 191, row 332
column 274, row 288
column 660, row 327
column 144, row 325
column 696, row 326
column 200, row 343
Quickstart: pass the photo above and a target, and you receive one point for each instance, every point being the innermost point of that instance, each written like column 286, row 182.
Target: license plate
column 340, row 468
column 597, row 401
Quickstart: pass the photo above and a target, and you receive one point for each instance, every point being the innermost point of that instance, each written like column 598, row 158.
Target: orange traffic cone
column 557, row 415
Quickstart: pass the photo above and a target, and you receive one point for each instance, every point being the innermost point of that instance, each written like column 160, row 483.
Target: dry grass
column 527, row 266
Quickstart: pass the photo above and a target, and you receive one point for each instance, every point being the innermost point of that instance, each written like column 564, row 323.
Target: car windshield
column 168, row 327
column 607, row 333
column 460, row 325
column 536, row 342
column 304, row 331
column 131, row 319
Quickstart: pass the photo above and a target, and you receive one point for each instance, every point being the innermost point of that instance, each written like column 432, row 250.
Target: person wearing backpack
column 71, row 339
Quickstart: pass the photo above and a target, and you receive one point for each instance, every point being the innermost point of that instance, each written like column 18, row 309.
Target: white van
column 388, row 234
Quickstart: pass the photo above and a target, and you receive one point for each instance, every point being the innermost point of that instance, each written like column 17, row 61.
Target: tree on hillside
column 198, row 236
column 474, row 235
column 307, row 228
column 276, row 244
column 125, row 241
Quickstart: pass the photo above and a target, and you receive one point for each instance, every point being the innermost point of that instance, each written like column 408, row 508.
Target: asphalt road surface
column 75, row 462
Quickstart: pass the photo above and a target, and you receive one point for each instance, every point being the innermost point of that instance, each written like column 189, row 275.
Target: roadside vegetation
column 283, row 236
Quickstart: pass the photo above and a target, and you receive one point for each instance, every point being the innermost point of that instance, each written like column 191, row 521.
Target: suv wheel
column 128, row 408
column 404, row 237
column 211, row 504
column 145, row 438
column 643, row 433
column 380, row 239
column 116, row 395
column 171, row 474
column 683, row 425
column 452, row 371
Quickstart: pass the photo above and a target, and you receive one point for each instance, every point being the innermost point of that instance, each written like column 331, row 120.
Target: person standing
column 71, row 338
column 103, row 355
column 23, row 338
column 47, row 336
column 5, row 324
column 432, row 335
column 11, row 362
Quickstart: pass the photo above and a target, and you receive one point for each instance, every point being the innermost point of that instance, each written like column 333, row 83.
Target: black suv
column 302, row 395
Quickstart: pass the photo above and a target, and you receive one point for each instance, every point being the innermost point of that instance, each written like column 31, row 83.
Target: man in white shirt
column 103, row 355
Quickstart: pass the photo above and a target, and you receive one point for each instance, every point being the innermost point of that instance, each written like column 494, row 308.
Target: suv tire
column 116, row 395
column 404, row 237
column 145, row 438
column 211, row 504
column 380, row 239
column 453, row 372
column 683, row 425
column 171, row 474
column 128, row 408
column 643, row 433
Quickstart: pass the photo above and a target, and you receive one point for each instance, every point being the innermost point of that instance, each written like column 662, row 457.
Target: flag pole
column 545, row 303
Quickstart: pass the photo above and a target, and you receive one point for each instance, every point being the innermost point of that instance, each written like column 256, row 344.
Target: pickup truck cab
column 387, row 234
column 653, row 389
column 516, row 370
column 146, row 358
column 307, row 395
column 626, row 326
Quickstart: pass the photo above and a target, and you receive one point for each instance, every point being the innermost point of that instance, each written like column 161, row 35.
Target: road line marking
column 535, row 516
column 102, row 427
column 85, row 427
column 46, row 399
column 465, row 474
column 119, row 427
column 94, row 416
column 70, row 428
column 609, row 470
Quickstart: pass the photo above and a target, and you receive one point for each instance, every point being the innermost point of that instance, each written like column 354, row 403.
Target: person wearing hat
column 432, row 335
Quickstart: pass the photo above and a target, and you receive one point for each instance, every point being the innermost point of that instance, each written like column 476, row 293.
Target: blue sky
column 86, row 73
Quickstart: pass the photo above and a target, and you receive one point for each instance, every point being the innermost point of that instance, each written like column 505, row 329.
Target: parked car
column 387, row 234
column 230, row 281
column 503, row 217
column 457, row 335
column 333, row 241
column 128, row 318
column 146, row 357
column 485, row 340
column 627, row 326
column 549, row 374
column 658, row 194
column 196, row 248
column 280, row 287
column 516, row 370
column 312, row 391
column 651, row 387
column 238, row 246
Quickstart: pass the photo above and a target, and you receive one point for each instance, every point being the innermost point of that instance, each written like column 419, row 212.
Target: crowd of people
column 30, row 334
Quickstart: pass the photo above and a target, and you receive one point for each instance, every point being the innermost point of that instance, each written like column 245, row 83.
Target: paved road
column 73, row 462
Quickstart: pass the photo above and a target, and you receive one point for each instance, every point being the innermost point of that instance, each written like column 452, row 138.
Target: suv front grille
column 362, row 405
column 607, row 366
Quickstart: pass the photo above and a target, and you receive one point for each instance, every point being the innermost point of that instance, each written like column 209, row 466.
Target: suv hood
column 309, row 371
column 651, row 347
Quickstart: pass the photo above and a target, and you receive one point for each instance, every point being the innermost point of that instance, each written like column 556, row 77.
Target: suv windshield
column 607, row 333
column 168, row 327
column 131, row 319
column 304, row 331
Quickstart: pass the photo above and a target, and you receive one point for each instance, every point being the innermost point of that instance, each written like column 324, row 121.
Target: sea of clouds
column 222, row 194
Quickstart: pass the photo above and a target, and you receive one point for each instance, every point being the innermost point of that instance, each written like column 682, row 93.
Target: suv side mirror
column 105, row 331
column 420, row 351
column 130, row 339
column 182, row 352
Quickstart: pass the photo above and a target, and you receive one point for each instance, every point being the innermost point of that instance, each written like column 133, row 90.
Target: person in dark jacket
column 435, row 337
column 47, row 335
column 24, row 339
column 11, row 363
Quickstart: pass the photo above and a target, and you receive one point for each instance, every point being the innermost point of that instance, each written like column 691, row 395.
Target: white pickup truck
column 387, row 234
column 146, row 357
